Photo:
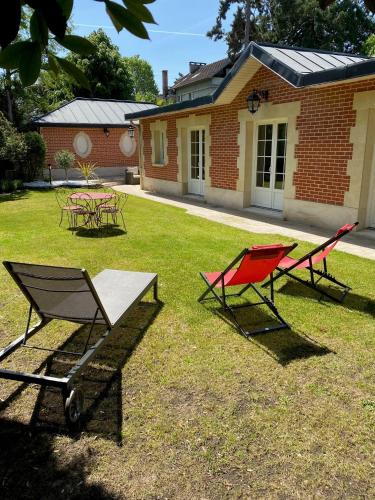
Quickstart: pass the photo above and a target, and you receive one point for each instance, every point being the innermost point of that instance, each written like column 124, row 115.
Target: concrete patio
column 361, row 243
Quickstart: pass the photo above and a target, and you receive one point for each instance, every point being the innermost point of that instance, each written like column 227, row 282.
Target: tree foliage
column 344, row 25
column 369, row 46
column 105, row 69
column 48, row 23
column 143, row 79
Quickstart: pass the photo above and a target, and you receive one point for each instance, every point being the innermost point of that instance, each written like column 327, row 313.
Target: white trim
column 202, row 182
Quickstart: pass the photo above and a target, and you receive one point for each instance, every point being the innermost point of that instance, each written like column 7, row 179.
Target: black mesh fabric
column 58, row 292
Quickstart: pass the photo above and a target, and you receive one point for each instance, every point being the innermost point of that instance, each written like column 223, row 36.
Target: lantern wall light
column 131, row 130
column 106, row 131
column 255, row 98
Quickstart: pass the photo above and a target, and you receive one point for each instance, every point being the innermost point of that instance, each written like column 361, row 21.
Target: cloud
column 163, row 32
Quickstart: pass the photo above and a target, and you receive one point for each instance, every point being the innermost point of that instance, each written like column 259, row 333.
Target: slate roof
column 205, row 72
column 298, row 66
column 85, row 112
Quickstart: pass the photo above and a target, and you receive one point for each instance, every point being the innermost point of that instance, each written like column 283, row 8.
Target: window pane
column 281, row 131
column 268, row 148
column 260, row 164
column 279, row 181
column 280, row 165
column 259, row 180
column 267, row 178
column 267, row 164
column 269, row 131
column 281, row 148
column 261, row 132
column 261, row 148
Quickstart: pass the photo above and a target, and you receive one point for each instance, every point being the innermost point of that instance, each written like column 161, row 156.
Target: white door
column 371, row 203
column 269, row 165
column 197, row 161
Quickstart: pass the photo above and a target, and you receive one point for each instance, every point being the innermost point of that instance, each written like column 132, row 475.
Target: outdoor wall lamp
column 106, row 131
column 131, row 130
column 254, row 99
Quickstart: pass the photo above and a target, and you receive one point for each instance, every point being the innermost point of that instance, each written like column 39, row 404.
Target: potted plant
column 65, row 159
column 87, row 169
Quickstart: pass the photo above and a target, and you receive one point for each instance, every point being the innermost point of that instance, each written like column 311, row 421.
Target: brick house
column 94, row 130
column 306, row 149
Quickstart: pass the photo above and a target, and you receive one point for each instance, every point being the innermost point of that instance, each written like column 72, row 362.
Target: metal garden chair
column 114, row 209
column 255, row 265
column 67, row 206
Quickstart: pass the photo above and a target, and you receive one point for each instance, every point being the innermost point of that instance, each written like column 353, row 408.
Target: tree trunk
column 247, row 23
column 8, row 87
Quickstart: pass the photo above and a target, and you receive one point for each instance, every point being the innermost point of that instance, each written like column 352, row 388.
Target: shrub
column 65, row 159
column 87, row 169
column 33, row 163
column 9, row 185
column 13, row 148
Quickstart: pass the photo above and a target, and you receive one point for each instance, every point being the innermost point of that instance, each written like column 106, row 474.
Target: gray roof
column 304, row 61
column 204, row 72
column 298, row 66
column 92, row 113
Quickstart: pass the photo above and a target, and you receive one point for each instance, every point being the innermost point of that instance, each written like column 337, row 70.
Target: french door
column 197, row 161
column 269, row 165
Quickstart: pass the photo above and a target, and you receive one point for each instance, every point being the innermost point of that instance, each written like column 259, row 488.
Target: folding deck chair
column 255, row 265
column 311, row 259
column 59, row 293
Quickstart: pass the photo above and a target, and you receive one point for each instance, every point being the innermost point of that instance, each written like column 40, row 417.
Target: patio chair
column 114, row 208
column 59, row 293
column 310, row 261
column 67, row 206
column 255, row 265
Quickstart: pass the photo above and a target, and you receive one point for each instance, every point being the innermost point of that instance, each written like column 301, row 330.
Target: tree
column 143, row 79
column 369, row 46
column 246, row 24
column 105, row 69
column 342, row 26
column 49, row 22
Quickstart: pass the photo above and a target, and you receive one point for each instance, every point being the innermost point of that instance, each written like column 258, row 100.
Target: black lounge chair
column 310, row 261
column 59, row 293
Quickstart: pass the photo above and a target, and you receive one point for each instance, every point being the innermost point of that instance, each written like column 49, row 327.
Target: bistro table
column 91, row 207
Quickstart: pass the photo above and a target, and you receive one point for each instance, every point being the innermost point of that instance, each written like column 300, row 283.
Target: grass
column 184, row 407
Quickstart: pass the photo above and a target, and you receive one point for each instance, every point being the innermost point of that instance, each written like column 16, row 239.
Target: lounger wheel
column 73, row 408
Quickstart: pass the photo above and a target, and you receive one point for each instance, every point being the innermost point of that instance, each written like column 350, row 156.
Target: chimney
column 194, row 66
column 165, row 83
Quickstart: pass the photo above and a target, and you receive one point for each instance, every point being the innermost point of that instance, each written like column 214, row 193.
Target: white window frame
column 159, row 134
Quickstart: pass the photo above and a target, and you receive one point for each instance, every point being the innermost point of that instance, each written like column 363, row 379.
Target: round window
column 128, row 144
column 82, row 144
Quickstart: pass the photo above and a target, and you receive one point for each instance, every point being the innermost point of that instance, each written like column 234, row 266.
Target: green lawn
column 183, row 406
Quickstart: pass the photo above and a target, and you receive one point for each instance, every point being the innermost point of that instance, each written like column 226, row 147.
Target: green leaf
column 66, row 6
column 54, row 17
column 53, row 64
column 9, row 21
column 124, row 18
column 38, row 28
column 10, row 56
column 77, row 44
column 74, row 72
column 30, row 63
column 137, row 8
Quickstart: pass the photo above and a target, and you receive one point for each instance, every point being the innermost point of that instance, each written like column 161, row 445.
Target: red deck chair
column 255, row 265
column 308, row 261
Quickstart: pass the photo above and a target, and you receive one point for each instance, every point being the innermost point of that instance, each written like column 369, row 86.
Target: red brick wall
column 324, row 137
column 105, row 151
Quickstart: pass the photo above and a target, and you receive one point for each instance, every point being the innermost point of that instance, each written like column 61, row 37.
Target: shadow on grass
column 103, row 232
column 101, row 381
column 352, row 300
column 30, row 467
column 285, row 346
column 18, row 195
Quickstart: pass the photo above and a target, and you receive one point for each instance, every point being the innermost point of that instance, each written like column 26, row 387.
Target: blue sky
column 186, row 23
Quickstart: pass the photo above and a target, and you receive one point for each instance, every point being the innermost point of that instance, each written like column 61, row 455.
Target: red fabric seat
column 258, row 263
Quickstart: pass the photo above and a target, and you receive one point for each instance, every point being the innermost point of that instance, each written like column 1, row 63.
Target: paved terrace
column 361, row 243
